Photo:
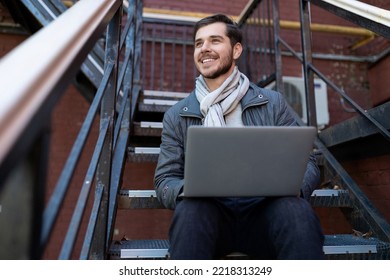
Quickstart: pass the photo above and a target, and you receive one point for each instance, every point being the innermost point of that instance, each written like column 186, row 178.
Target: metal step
column 139, row 249
column 143, row 154
column 159, row 101
column 342, row 246
column 331, row 198
column 147, row 129
column 139, row 199
column 152, row 108
column 164, row 94
column 350, row 246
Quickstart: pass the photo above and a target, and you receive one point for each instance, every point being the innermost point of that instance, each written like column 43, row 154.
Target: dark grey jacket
column 260, row 107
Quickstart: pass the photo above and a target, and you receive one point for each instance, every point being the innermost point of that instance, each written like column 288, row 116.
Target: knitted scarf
column 220, row 102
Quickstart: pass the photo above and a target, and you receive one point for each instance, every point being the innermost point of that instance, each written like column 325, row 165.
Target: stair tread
column 334, row 244
column 165, row 94
column 155, row 108
column 146, row 199
column 331, row 198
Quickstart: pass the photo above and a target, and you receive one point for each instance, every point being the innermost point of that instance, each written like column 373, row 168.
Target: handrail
column 50, row 60
column 370, row 12
column 365, row 15
column 46, row 66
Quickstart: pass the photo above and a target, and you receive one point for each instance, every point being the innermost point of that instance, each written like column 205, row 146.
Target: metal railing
column 257, row 24
column 26, row 105
column 167, row 63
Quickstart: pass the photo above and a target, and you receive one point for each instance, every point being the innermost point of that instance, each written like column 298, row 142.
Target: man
column 211, row 228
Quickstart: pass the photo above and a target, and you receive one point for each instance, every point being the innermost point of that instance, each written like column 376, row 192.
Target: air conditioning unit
column 294, row 92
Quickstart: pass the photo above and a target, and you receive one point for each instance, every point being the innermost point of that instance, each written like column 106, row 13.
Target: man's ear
column 237, row 50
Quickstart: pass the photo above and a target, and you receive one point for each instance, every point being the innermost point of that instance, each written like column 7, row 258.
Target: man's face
column 213, row 55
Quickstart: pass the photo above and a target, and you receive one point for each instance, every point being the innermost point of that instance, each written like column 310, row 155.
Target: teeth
column 207, row 60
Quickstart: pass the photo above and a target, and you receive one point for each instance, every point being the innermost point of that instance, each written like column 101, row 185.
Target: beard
column 222, row 69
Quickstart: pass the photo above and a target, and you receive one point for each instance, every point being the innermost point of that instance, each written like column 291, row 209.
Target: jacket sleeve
column 311, row 180
column 169, row 174
column 312, row 175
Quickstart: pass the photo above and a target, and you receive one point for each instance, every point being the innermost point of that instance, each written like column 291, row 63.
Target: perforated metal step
column 148, row 129
column 143, row 154
column 159, row 101
column 164, row 94
column 139, row 249
column 342, row 246
column 141, row 199
column 330, row 198
column 349, row 246
column 134, row 199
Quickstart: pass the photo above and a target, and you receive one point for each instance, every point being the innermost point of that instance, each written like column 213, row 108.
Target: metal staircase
column 368, row 235
column 358, row 244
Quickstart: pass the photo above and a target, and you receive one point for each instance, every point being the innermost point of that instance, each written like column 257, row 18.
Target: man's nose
column 205, row 46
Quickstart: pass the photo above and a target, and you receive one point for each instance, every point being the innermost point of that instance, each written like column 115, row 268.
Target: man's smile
column 208, row 60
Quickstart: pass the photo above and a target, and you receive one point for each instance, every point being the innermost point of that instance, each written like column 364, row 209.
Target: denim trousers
column 284, row 228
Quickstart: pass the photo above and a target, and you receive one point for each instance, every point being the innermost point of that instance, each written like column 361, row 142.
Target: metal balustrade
column 48, row 61
column 25, row 109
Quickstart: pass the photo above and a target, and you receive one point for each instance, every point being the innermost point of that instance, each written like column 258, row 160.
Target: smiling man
column 211, row 228
column 215, row 54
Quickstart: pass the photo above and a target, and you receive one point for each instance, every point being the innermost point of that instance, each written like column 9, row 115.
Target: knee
column 295, row 213
column 195, row 210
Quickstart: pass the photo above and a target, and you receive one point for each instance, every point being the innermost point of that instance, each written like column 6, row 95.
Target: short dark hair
column 232, row 30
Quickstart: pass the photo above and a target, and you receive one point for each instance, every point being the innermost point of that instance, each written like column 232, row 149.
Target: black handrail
column 101, row 169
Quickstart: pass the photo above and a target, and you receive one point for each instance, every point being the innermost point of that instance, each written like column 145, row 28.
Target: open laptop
column 246, row 161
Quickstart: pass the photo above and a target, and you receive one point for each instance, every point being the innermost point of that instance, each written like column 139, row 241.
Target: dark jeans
column 273, row 228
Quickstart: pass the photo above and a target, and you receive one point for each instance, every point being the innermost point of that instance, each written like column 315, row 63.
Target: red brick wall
column 232, row 8
column 67, row 119
column 373, row 176
column 379, row 89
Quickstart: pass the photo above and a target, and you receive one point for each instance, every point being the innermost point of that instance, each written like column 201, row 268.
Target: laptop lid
column 246, row 161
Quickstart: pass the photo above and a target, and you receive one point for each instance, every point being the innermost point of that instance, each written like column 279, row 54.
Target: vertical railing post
column 137, row 57
column 307, row 60
column 107, row 113
column 278, row 53
column 124, row 125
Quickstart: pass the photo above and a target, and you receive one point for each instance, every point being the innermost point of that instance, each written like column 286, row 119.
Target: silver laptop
column 246, row 161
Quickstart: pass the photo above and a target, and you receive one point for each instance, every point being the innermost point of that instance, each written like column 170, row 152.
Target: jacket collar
column 253, row 97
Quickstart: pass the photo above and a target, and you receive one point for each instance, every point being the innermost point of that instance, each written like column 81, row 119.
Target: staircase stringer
column 364, row 216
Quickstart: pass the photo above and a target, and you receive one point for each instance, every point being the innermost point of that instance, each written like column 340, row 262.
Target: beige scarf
column 220, row 102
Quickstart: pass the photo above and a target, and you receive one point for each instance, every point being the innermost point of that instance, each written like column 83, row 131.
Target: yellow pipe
column 363, row 42
column 68, row 3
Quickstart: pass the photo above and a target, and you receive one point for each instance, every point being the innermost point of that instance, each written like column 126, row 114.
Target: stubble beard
column 221, row 70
